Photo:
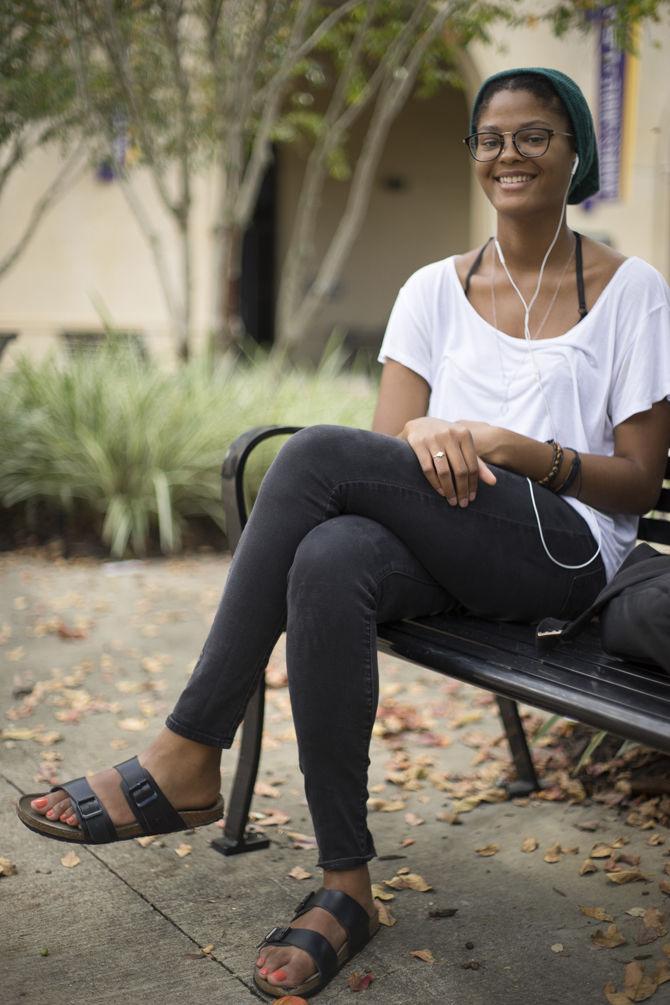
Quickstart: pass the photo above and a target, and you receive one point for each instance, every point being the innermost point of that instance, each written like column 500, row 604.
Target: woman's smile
column 513, row 181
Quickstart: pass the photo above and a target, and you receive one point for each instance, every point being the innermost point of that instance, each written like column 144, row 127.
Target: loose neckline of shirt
column 537, row 343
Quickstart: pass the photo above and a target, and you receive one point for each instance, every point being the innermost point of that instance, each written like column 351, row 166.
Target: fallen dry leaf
column 206, row 950
column 406, row 842
column 599, row 913
column 359, row 982
column 65, row 632
column 385, row 805
column 274, row 818
column 487, row 850
column 380, row 893
column 587, row 866
column 587, row 825
column 627, row 876
column 183, row 849
column 412, row 881
column 530, row 844
column 413, row 820
column 148, row 839
column 552, row 854
column 448, row 816
column 615, row 997
column 132, row 725
column 385, row 915
column 290, row 1000
column 637, row 984
column 7, row 868
column 70, row 860
column 297, row 872
column 263, row 789
column 423, row 954
column 557, row 947
column 306, row 842
column 601, row 851
column 655, row 919
column 609, row 939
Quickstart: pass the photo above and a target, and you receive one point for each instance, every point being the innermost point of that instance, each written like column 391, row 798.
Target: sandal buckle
column 143, row 800
column 275, row 934
column 88, row 814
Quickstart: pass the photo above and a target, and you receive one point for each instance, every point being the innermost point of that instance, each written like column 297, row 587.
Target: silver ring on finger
column 440, row 453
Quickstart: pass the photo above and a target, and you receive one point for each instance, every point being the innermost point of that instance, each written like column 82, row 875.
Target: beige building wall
column 89, row 258
column 425, row 205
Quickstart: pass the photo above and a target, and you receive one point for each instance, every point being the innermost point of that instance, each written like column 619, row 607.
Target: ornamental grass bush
column 130, row 451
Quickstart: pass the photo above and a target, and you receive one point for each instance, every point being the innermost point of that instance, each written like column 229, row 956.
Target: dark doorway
column 257, row 285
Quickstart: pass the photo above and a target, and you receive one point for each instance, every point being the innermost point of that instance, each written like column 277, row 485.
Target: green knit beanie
column 586, row 181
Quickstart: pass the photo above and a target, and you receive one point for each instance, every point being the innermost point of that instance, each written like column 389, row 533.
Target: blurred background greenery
column 111, row 448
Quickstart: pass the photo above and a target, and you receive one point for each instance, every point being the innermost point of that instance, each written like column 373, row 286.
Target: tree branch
column 390, row 100
column 64, row 180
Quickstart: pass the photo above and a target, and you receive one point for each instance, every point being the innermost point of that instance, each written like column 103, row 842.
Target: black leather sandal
column 354, row 918
column 153, row 812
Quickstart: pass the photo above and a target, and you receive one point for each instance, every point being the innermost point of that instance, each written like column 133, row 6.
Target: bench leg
column 526, row 780
column 236, row 838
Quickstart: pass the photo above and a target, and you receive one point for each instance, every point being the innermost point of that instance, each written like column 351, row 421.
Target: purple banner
column 610, row 112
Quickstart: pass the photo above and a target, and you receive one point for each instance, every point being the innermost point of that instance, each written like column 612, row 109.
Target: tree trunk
column 230, row 326
column 185, row 319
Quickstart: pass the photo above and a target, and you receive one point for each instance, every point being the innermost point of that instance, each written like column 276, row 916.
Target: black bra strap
column 475, row 265
column 579, row 267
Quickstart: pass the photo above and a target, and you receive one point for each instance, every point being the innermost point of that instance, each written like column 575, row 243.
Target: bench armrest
column 232, row 477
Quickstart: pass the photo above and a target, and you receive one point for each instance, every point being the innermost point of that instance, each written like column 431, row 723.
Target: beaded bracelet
column 575, row 469
column 557, row 460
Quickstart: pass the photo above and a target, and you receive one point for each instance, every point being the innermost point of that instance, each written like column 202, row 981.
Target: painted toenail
column 40, row 802
column 279, row 975
column 50, row 813
column 264, row 971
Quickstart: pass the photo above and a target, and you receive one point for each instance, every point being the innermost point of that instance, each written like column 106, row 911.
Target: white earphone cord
column 527, row 338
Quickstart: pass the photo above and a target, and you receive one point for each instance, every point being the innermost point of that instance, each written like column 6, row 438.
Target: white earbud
column 575, row 165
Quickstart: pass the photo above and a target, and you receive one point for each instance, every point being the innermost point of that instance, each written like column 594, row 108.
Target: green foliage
column 38, row 89
column 135, row 450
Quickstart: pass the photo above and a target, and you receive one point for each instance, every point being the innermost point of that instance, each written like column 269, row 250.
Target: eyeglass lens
column 532, row 142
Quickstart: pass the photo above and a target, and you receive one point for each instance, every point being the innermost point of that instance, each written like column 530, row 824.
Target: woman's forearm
column 611, row 484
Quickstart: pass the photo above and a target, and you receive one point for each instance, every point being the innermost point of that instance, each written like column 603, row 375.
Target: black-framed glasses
column 532, row 141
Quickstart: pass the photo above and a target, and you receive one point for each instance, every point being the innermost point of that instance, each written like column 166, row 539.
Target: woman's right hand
column 456, row 475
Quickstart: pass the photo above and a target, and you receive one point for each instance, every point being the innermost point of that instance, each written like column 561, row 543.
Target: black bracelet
column 575, row 469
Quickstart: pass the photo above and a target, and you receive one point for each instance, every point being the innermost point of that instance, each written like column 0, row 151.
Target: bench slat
column 532, row 682
column 557, row 666
column 663, row 504
column 654, row 531
column 583, row 657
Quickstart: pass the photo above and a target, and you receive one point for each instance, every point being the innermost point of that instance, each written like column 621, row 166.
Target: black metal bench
column 579, row 681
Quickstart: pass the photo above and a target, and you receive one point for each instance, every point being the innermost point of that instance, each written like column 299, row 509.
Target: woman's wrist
column 507, row 448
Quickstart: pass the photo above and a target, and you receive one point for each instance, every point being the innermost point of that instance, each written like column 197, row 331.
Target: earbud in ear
column 575, row 165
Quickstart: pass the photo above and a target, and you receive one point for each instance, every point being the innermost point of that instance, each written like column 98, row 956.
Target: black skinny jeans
column 346, row 532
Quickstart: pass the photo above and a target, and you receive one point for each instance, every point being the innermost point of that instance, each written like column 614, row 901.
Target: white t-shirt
column 613, row 363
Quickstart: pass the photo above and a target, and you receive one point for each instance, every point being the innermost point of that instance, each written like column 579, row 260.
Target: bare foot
column 290, row 966
column 187, row 772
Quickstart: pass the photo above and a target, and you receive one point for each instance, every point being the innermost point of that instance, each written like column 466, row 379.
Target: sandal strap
column 152, row 809
column 94, row 820
column 317, row 945
column 349, row 913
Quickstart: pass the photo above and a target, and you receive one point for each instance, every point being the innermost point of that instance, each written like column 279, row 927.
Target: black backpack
column 634, row 612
